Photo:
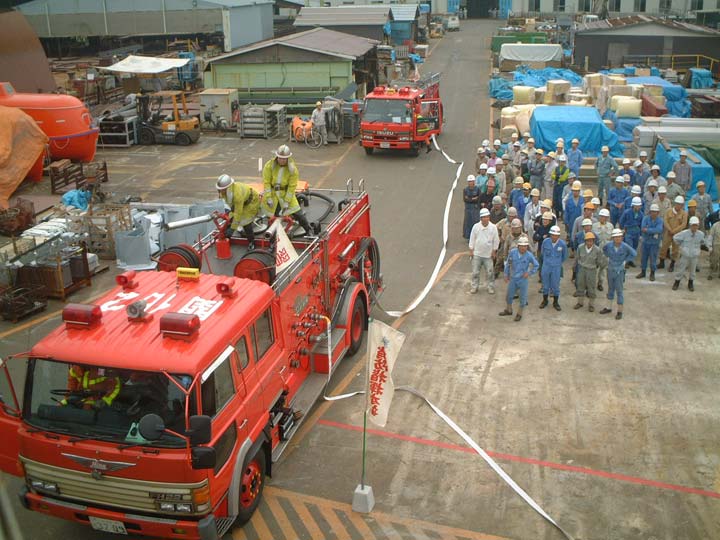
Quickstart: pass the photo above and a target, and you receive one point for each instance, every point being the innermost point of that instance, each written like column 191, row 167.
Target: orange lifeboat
column 64, row 119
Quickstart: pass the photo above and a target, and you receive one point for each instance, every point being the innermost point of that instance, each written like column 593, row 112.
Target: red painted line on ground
column 530, row 461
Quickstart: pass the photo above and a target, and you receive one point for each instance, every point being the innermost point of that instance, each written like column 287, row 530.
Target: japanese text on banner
column 384, row 344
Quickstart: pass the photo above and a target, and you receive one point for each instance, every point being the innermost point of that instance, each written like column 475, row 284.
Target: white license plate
column 107, row 525
column 384, row 145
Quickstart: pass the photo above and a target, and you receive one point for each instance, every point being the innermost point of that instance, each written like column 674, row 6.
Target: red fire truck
column 402, row 116
column 160, row 409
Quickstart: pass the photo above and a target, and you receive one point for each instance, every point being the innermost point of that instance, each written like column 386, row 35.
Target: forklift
column 175, row 128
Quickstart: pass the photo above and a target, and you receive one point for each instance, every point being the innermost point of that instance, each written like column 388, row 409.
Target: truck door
column 9, row 423
column 266, row 349
column 249, row 387
column 431, row 113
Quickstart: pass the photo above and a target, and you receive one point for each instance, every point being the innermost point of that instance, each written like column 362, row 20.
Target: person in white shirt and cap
column 318, row 120
column 655, row 175
column 532, row 210
column 683, row 171
column 643, row 156
column 690, row 241
column 483, row 245
column 674, row 190
column 602, row 229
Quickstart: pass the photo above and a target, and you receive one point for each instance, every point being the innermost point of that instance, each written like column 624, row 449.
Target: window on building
column 614, row 5
column 639, row 6
column 217, row 389
column 559, row 5
column 585, row 5
column 665, row 6
column 262, row 335
column 224, row 446
column 696, row 5
column 535, row 5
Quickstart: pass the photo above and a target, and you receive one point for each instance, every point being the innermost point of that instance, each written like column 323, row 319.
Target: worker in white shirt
column 318, row 120
column 484, row 243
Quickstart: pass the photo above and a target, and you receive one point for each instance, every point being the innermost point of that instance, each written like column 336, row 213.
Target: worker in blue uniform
column 616, row 200
column 519, row 266
column 575, row 157
column 652, row 232
column 573, row 209
column 631, row 223
column 618, row 253
column 554, row 253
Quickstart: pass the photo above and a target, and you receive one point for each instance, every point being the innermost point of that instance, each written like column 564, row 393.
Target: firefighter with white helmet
column 280, row 178
column 244, row 203
column 652, row 231
column 618, row 253
column 691, row 241
column 554, row 253
column 520, row 265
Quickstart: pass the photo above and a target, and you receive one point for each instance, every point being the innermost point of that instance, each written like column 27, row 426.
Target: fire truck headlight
column 184, row 507
column 201, row 498
column 37, row 485
column 45, row 487
column 167, row 507
column 404, row 138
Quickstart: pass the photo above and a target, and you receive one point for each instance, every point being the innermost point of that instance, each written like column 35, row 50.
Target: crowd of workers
column 520, row 200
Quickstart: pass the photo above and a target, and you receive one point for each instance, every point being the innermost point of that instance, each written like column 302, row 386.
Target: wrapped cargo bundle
column 629, row 108
column 523, row 95
column 507, row 116
column 619, row 90
column 592, row 80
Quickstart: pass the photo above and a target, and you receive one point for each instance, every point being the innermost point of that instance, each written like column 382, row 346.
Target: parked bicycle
column 311, row 135
column 213, row 122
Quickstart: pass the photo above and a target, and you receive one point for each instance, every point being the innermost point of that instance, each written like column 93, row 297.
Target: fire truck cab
column 402, row 116
column 159, row 409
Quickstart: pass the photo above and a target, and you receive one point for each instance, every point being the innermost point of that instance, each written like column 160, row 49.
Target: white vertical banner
column 285, row 252
column 384, row 344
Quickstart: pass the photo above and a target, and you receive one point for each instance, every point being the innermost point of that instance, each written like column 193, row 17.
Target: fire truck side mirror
column 200, row 430
column 203, row 457
column 151, row 427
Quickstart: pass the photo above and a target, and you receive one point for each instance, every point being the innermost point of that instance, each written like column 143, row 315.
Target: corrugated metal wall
column 300, row 75
column 250, row 24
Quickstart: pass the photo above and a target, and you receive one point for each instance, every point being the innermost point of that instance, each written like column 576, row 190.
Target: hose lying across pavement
column 449, row 421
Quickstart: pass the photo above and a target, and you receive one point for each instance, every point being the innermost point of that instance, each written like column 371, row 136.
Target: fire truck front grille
column 123, row 493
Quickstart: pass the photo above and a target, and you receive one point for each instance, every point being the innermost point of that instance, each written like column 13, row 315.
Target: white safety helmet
column 480, row 150
column 518, row 181
column 531, row 140
column 595, row 201
column 586, row 221
column 671, row 174
column 548, row 216
column 694, row 221
column 626, row 178
column 283, row 151
column 626, row 161
column 523, row 241
column 512, row 211
column 655, row 168
column 224, row 181
column 497, row 142
column 683, row 153
column 636, row 201
column 638, row 163
column 491, row 170
column 562, row 157
column 575, row 141
column 483, row 166
column 662, row 189
column 652, row 183
column 517, row 143
column 576, row 185
column 484, row 212
column 486, row 143
column 643, row 154
column 636, row 189
column 679, row 199
column 555, row 230
column 470, row 178
column 559, row 139
column 604, row 212
column 497, row 200
column 616, row 232
column 654, row 208
column 514, row 135
column 619, row 180
column 515, row 223
column 605, row 149
column 535, row 192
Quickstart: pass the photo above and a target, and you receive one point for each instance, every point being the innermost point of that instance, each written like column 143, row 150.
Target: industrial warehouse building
column 366, row 21
column 611, row 42
column 239, row 22
column 299, row 68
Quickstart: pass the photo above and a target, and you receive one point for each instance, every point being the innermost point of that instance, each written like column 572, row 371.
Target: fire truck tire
column 358, row 320
column 256, row 264
column 369, row 150
column 251, row 486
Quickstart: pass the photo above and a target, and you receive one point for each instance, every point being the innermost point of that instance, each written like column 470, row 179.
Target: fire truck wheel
column 357, row 325
column 251, row 487
column 369, row 150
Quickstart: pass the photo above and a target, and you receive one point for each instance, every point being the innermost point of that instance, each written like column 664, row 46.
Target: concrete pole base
column 363, row 499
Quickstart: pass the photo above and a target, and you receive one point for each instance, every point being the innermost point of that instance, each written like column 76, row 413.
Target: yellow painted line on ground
column 345, row 381
column 280, row 516
column 335, row 524
column 332, row 169
column 42, row 319
column 260, row 526
column 307, row 520
column 299, row 500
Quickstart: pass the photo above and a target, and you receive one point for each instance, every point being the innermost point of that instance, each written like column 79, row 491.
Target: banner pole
column 363, row 497
column 362, row 475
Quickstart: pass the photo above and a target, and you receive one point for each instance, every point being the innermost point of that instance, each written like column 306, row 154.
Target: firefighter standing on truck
column 280, row 178
column 244, row 203
column 100, row 388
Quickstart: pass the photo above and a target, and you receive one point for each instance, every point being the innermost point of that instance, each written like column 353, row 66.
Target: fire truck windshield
column 396, row 111
column 103, row 403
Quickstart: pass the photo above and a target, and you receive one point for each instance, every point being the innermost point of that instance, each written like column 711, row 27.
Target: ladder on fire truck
column 423, row 82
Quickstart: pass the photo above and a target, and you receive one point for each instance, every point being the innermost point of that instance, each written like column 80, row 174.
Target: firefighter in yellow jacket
column 95, row 387
column 244, row 203
column 280, row 178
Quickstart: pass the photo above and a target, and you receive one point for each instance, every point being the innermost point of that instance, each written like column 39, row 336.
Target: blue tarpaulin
column 701, row 78
column 77, row 198
column 624, row 128
column 539, row 77
column 700, row 171
column 629, row 71
column 677, row 102
column 499, row 88
column 566, row 121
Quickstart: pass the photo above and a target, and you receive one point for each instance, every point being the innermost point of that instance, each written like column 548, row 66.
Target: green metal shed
column 299, row 68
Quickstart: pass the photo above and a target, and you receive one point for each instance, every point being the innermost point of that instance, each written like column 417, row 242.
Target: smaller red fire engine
column 159, row 410
column 402, row 116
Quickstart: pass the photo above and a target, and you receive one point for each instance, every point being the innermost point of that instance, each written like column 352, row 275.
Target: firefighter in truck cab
column 91, row 388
